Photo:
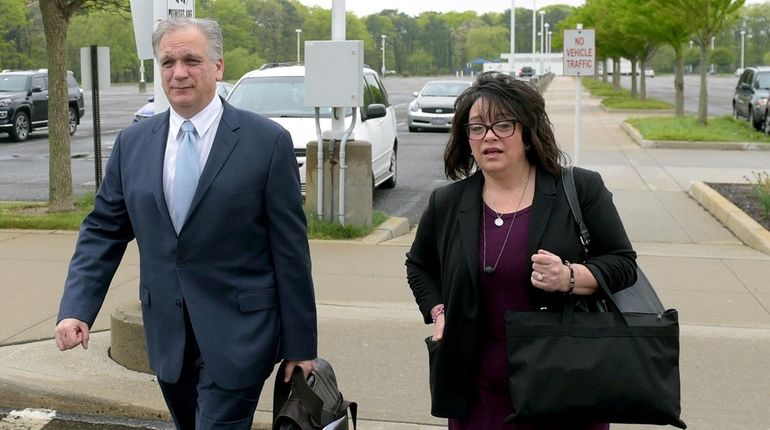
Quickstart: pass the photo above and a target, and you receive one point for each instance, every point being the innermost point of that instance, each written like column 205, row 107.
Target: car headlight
column 414, row 106
column 5, row 103
column 761, row 102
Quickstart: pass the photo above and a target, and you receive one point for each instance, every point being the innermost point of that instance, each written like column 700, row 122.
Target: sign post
column 579, row 61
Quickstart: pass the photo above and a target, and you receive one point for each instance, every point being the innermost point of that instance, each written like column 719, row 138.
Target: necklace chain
column 491, row 269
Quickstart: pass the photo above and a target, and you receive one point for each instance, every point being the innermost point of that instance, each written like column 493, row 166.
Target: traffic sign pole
column 579, row 61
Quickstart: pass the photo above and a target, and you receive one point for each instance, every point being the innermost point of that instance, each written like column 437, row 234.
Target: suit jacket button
column 180, row 263
column 178, row 304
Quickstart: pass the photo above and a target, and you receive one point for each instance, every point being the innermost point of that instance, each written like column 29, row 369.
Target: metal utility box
column 334, row 73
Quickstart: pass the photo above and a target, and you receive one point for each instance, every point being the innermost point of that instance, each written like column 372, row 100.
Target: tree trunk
column 634, row 74
column 703, row 107
column 616, row 73
column 55, row 23
column 642, row 81
column 679, row 84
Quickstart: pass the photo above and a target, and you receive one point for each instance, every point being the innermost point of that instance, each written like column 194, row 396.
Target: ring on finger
column 539, row 276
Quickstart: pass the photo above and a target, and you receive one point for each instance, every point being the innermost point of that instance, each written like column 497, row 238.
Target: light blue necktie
column 187, row 174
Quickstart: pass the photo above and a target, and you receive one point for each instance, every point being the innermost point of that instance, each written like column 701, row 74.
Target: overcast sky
column 415, row 7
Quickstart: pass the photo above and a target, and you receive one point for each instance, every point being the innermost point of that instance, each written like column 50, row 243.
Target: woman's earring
column 526, row 147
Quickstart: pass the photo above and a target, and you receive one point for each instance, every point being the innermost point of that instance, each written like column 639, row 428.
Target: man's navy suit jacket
column 240, row 264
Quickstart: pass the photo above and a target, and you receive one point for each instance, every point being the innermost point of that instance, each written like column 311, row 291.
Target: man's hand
column 70, row 333
column 307, row 367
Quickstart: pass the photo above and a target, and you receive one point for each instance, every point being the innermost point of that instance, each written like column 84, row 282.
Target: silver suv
column 751, row 95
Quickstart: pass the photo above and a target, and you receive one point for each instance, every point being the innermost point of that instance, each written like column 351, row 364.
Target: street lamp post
column 534, row 25
column 383, row 54
column 712, row 53
column 543, row 46
column 548, row 44
column 743, row 45
column 542, row 35
column 299, row 32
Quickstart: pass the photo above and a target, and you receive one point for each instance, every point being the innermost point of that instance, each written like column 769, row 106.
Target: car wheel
column 757, row 123
column 391, row 182
column 73, row 120
column 21, row 127
column 767, row 122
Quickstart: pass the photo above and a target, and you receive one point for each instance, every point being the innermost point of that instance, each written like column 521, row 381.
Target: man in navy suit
column 225, row 280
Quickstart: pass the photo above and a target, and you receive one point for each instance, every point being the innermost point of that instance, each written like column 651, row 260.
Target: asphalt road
column 24, row 166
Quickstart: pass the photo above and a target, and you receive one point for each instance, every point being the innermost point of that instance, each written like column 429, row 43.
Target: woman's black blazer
column 442, row 265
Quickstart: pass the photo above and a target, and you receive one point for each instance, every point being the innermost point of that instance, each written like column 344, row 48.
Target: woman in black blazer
column 502, row 238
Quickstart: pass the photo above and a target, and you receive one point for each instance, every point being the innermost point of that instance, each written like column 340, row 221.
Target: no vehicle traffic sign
column 579, row 52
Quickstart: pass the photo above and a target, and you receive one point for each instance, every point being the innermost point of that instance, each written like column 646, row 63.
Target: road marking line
column 27, row 419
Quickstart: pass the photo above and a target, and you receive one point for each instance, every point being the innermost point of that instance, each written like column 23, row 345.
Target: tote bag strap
column 568, row 181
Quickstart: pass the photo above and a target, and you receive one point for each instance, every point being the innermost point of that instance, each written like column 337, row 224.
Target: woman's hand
column 437, row 313
column 549, row 272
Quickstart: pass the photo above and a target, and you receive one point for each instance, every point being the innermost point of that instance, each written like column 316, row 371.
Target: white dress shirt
column 206, row 124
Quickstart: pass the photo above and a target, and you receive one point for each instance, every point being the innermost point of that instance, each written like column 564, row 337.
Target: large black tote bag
column 593, row 367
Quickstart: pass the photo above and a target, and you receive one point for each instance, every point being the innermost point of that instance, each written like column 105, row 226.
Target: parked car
column 526, row 71
column 434, row 106
column 148, row 110
column 751, row 94
column 278, row 92
column 24, row 102
column 649, row 72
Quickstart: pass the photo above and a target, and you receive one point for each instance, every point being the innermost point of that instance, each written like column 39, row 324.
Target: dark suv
column 24, row 102
column 751, row 95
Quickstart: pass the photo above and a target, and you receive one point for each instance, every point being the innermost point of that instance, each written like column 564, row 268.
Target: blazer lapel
column 156, row 154
column 224, row 142
column 468, row 216
column 542, row 206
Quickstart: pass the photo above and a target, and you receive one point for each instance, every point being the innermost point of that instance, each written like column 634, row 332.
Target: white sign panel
column 141, row 15
column 181, row 8
column 580, row 52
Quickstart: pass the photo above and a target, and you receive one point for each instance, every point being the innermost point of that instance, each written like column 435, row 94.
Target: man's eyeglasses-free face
column 501, row 129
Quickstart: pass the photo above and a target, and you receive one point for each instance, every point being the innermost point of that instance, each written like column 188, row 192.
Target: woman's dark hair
column 506, row 95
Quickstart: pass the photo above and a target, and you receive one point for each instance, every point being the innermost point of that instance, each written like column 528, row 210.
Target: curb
column 686, row 144
column 745, row 228
column 392, row 228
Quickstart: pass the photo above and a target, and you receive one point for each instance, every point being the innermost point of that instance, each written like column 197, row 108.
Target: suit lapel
column 224, row 143
column 156, row 154
column 542, row 207
column 468, row 217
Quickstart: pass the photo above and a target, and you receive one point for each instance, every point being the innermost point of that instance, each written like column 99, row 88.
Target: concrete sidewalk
column 370, row 329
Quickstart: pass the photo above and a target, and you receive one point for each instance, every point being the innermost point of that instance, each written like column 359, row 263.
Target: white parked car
column 278, row 92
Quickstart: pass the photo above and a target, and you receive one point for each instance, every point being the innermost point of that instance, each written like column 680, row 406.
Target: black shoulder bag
column 312, row 404
column 641, row 296
column 573, row 368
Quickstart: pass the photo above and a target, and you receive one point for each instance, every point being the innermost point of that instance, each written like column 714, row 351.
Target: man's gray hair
column 210, row 29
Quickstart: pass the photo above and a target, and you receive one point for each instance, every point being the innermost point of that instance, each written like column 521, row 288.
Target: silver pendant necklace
column 499, row 222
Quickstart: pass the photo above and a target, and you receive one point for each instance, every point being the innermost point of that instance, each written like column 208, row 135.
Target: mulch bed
column 744, row 197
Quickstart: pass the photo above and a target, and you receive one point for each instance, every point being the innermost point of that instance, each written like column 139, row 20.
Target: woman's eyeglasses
column 501, row 129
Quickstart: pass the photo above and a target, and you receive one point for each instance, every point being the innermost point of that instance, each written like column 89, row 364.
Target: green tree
column 487, row 42
column 56, row 16
column 11, row 26
column 238, row 61
column 708, row 18
column 109, row 29
column 420, row 61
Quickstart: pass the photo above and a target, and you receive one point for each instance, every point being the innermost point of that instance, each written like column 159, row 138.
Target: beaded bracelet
column 438, row 310
column 571, row 276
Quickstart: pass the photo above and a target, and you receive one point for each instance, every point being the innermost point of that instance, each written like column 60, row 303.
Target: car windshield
column 446, row 89
column 763, row 80
column 277, row 97
column 13, row 83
